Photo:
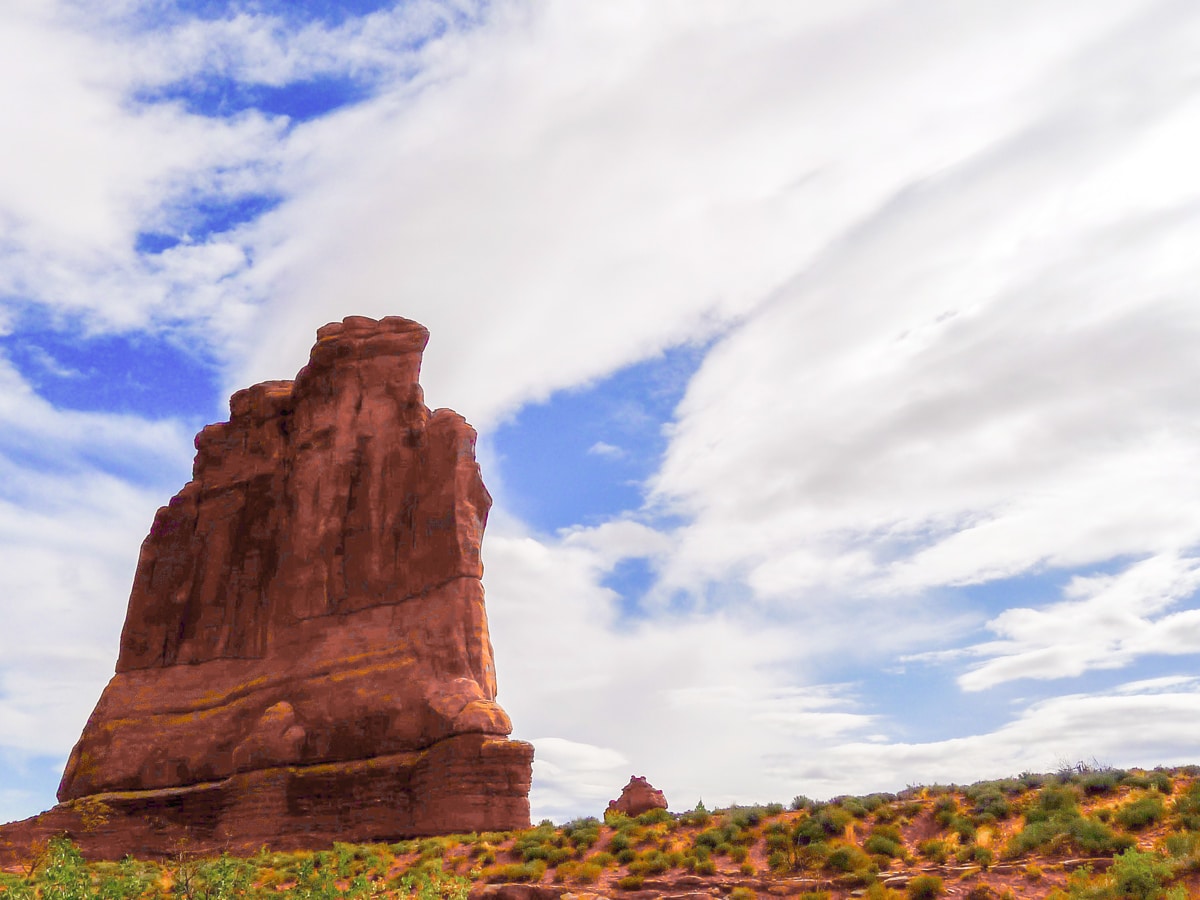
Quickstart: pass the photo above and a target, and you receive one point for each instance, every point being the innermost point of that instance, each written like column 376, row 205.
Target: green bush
column 630, row 882
column 1141, row 813
column 1187, row 808
column 847, row 858
column 1101, row 782
column 925, row 887
column 1162, row 782
column 582, row 833
column 988, row 803
column 696, row 818
column 933, row 850
column 1139, row 875
column 1057, row 798
column 883, row 845
column 746, row 817
column 618, row 842
column 654, row 817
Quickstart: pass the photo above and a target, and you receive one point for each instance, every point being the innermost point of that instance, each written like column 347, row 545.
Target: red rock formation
column 637, row 797
column 305, row 655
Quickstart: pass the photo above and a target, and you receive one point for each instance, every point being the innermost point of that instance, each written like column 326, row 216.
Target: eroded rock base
column 461, row 784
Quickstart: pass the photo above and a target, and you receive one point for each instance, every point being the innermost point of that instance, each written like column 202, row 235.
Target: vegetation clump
column 1139, row 829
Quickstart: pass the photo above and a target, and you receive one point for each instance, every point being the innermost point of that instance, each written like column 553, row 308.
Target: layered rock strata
column 305, row 656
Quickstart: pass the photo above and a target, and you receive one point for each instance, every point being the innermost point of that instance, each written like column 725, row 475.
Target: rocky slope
column 1092, row 834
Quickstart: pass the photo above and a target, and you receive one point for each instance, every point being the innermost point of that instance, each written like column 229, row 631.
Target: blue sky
column 833, row 364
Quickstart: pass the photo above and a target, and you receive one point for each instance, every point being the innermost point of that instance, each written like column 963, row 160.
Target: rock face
column 637, row 797
column 305, row 656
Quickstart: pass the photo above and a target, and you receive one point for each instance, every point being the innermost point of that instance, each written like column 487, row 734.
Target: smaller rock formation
column 637, row 797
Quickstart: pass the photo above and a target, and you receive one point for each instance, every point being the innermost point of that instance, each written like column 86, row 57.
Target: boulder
column 305, row 656
column 637, row 797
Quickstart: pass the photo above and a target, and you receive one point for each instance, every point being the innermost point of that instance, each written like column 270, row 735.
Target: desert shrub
column 1187, row 808
column 602, row 858
column 982, row 856
column 963, row 827
column 778, row 860
column 705, row 867
column 1057, row 798
column 855, row 807
column 614, row 818
column 530, row 871
column 945, row 810
column 1069, row 828
column 815, row 895
column 883, row 845
column 738, row 853
column 618, row 842
column 588, row 873
column 747, row 868
column 423, row 881
column 1141, row 812
column 774, row 809
column 933, row 850
column 1161, row 782
column 1181, row 845
column 630, row 882
column 626, row 856
column 582, row 833
column 742, row 893
column 653, row 862
column 1033, row 872
column 886, row 813
column 696, row 818
column 1139, row 875
column 833, row 820
column 988, row 803
column 808, row 831
column 654, row 817
column 980, row 892
column 1102, row 782
column 1092, row 836
column 746, row 817
column 925, row 887
column 777, row 838
column 800, row 802
column 847, row 858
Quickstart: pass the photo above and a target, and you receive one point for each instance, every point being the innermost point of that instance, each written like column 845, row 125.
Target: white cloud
column 610, row 451
column 83, row 170
column 1125, row 727
column 1105, row 623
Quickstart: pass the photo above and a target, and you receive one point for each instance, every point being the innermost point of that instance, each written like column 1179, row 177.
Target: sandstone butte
column 305, row 656
column 637, row 797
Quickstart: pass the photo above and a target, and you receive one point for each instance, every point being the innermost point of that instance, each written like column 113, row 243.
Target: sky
column 834, row 365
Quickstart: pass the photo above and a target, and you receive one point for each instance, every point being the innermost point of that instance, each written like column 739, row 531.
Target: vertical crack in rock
column 305, row 655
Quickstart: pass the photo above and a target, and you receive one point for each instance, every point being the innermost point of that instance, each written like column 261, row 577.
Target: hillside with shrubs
column 1085, row 832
